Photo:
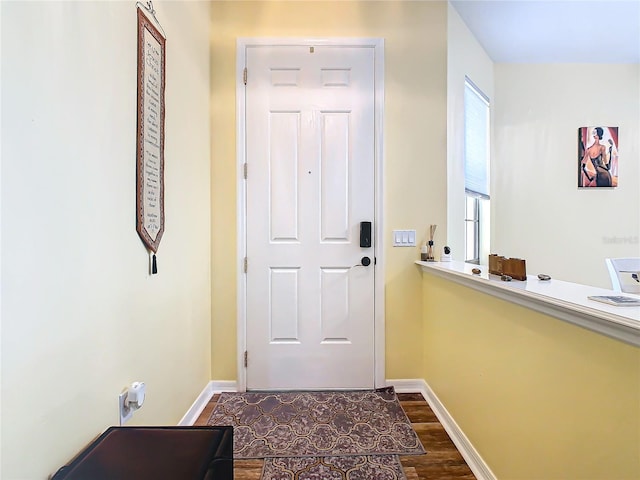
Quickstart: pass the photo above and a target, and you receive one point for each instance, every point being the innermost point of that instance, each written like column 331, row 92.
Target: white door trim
column 379, row 322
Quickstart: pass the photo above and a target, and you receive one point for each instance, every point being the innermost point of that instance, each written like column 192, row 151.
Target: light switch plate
column 404, row 238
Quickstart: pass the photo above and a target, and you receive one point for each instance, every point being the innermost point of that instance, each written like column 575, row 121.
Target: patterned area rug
column 322, row 424
column 368, row 467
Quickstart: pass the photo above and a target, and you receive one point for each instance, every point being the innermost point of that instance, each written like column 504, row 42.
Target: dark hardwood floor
column 442, row 461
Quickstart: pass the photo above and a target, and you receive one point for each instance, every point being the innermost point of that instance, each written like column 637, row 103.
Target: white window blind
column 476, row 140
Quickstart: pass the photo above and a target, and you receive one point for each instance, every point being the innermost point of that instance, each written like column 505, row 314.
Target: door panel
column 283, row 174
column 334, row 297
column 310, row 157
column 334, row 166
column 283, row 318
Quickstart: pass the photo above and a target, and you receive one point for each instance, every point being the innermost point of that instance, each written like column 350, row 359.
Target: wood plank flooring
column 442, row 461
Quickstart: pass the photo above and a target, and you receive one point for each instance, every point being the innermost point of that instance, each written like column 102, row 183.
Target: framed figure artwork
column 598, row 159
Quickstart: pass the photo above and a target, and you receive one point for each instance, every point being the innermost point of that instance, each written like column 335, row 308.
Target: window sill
column 563, row 300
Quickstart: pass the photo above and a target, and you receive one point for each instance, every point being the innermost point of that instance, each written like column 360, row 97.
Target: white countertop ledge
column 563, row 300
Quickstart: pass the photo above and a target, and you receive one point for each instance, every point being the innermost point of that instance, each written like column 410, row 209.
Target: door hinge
column 244, row 167
column 244, row 75
column 246, row 264
column 246, row 356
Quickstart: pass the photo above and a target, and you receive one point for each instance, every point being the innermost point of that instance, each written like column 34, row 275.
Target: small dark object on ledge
column 543, row 276
column 506, row 278
column 476, row 271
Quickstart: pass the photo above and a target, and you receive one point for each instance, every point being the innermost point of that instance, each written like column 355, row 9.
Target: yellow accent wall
column 414, row 149
column 540, row 399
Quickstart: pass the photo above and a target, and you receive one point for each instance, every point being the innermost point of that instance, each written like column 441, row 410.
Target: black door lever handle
column 364, row 262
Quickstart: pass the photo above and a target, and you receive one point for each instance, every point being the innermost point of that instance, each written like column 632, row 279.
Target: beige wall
column 414, row 146
column 536, row 112
column 81, row 317
column 537, row 397
column 538, row 212
column 465, row 58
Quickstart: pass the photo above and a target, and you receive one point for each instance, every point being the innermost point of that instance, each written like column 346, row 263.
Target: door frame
column 379, row 305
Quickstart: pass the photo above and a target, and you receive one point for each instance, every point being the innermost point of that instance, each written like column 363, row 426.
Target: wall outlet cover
column 124, row 411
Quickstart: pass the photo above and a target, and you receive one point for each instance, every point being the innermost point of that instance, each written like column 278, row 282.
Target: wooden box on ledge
column 514, row 267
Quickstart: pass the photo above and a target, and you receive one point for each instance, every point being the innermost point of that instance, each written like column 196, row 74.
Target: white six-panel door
column 311, row 168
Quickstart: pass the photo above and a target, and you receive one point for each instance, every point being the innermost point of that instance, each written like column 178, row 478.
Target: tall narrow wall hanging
column 150, row 132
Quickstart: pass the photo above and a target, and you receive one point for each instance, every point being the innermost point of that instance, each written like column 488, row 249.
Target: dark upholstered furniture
column 158, row 453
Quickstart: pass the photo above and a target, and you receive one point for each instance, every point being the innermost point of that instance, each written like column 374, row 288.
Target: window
column 472, row 229
column 476, row 170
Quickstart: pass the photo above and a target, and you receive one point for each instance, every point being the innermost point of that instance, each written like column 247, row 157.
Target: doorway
column 311, row 306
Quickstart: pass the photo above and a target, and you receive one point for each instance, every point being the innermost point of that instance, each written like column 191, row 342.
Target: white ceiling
column 555, row 31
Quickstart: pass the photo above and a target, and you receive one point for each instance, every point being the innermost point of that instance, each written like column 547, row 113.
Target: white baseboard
column 477, row 465
column 200, row 403
column 408, row 385
column 220, row 386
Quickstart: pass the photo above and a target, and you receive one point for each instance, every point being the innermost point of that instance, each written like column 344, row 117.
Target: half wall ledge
column 563, row 300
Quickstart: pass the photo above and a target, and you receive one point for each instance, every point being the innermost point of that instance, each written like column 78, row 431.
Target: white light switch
column 404, row 238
